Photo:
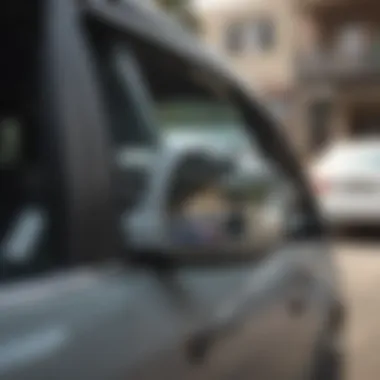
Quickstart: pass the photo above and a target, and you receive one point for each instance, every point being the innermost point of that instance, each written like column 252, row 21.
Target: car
column 347, row 183
column 124, row 259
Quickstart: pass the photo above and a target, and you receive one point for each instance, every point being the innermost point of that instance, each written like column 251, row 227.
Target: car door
column 73, row 303
column 71, row 308
column 254, row 319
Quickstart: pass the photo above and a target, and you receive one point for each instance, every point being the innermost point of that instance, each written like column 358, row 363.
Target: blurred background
column 316, row 65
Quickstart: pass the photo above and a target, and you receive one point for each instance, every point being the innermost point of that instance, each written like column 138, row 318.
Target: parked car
column 97, row 279
column 347, row 183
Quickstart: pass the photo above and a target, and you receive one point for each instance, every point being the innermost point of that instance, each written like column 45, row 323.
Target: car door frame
column 72, row 105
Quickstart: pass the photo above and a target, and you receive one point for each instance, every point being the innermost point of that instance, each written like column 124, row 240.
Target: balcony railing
column 338, row 66
column 339, row 10
column 313, row 4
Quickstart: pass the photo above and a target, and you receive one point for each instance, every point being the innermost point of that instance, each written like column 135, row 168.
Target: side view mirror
column 190, row 206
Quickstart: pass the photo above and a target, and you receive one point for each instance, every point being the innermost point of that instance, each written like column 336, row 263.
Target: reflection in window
column 201, row 121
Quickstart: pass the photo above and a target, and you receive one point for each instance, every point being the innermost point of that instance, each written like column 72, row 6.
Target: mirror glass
column 158, row 110
column 200, row 200
column 223, row 204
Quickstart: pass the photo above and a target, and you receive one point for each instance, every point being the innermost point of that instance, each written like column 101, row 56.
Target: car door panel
column 139, row 323
column 95, row 325
column 256, row 326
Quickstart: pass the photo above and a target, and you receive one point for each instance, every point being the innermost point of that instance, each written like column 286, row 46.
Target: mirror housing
column 187, row 210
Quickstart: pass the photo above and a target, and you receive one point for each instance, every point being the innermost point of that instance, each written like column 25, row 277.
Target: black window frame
column 66, row 112
column 72, row 104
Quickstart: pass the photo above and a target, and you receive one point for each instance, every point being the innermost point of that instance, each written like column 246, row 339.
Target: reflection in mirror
column 200, row 201
column 213, row 205
column 204, row 200
column 197, row 207
column 208, row 201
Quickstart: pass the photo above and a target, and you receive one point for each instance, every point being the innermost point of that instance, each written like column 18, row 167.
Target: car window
column 192, row 120
column 245, row 204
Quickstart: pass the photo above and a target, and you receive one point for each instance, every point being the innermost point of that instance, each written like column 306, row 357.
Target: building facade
column 338, row 71
column 258, row 38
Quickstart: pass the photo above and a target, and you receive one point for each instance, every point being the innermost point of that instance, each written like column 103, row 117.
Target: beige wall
column 268, row 70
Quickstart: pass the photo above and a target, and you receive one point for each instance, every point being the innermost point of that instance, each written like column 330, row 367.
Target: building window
column 257, row 35
column 235, row 38
column 262, row 36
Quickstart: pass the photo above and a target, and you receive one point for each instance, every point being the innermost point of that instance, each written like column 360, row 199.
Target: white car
column 346, row 179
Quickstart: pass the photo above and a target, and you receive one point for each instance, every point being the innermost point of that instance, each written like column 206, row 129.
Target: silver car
column 122, row 259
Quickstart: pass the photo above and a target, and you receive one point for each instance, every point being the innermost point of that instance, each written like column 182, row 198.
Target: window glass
column 247, row 35
column 235, row 37
column 262, row 35
column 202, row 121
column 222, row 192
column 242, row 202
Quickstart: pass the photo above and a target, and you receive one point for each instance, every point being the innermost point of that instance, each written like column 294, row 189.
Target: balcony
column 318, row 4
column 335, row 67
column 324, row 3
column 341, row 10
